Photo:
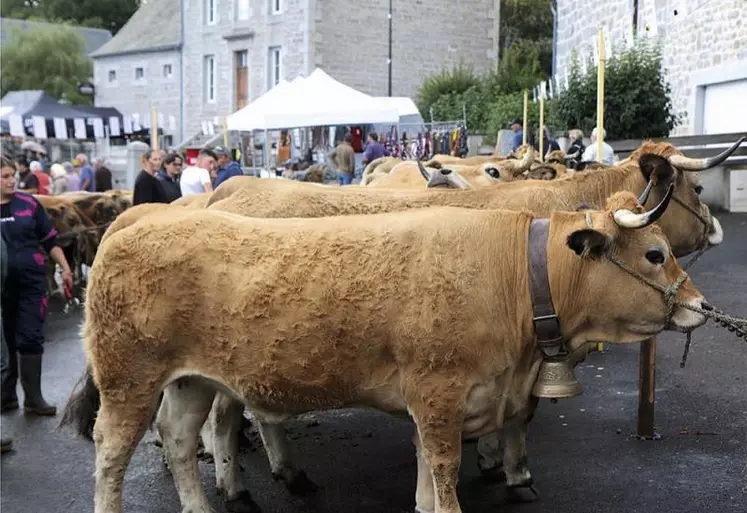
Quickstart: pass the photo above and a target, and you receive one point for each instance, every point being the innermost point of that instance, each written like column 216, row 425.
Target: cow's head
column 546, row 172
column 688, row 222
column 510, row 169
column 443, row 178
column 608, row 276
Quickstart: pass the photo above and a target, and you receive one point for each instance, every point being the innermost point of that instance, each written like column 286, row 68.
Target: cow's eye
column 655, row 256
column 698, row 189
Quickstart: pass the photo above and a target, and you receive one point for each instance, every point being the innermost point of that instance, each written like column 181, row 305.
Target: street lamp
column 389, row 60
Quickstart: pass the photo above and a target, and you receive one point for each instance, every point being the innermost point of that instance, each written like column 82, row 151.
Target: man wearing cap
column 518, row 138
column 226, row 166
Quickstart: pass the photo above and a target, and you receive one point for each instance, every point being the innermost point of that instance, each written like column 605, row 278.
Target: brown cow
column 77, row 238
column 452, row 346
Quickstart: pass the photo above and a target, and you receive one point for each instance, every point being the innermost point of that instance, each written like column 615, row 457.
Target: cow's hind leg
column 273, row 439
column 118, row 429
column 425, row 500
column 224, row 425
column 435, row 406
column 185, row 407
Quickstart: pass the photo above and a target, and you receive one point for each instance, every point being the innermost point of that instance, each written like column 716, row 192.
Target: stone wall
column 701, row 34
column 351, row 43
column 130, row 96
column 228, row 35
column 348, row 41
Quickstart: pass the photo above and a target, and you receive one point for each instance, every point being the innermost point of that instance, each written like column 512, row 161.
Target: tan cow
column 378, row 167
column 265, row 199
column 134, row 214
column 192, row 201
column 453, row 347
column 409, row 175
column 236, row 183
column 688, row 224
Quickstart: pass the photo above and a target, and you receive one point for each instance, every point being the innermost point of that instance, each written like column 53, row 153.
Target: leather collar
column 546, row 322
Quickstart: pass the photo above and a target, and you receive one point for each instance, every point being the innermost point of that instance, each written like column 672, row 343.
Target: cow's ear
column 588, row 243
column 656, row 168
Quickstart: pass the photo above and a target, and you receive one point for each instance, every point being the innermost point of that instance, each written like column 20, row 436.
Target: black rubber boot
column 9, row 399
column 33, row 402
column 6, row 444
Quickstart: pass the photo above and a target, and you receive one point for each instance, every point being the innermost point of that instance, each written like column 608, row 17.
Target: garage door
column 725, row 108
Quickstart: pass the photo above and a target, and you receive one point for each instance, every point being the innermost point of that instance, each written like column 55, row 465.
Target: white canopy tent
column 252, row 117
column 323, row 101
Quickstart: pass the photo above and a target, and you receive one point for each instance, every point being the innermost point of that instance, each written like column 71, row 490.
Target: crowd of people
column 79, row 175
column 163, row 177
column 577, row 147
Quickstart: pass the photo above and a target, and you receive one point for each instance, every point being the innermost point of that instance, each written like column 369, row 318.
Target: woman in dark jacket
column 26, row 227
column 168, row 177
column 147, row 188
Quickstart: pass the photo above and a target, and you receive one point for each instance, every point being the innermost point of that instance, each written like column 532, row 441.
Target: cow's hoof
column 493, row 474
column 300, row 484
column 242, row 504
column 522, row 493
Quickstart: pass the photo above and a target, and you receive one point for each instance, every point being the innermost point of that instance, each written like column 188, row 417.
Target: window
column 210, row 12
column 276, row 67
column 167, row 71
column 112, row 76
column 210, row 78
column 276, row 6
column 139, row 74
column 242, row 9
column 242, row 59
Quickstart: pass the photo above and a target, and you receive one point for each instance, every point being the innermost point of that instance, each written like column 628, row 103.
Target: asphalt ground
column 583, row 451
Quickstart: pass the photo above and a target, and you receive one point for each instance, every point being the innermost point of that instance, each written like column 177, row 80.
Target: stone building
column 229, row 52
column 704, row 44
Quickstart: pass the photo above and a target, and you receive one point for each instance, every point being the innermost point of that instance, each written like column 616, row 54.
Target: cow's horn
column 518, row 167
column 689, row 164
column 423, row 172
column 644, row 195
column 627, row 219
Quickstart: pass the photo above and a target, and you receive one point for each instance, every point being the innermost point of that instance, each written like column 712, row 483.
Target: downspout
column 182, row 116
column 554, row 9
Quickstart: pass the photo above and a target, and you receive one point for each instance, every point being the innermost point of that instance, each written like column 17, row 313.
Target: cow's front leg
column 490, row 456
column 520, row 487
column 281, row 464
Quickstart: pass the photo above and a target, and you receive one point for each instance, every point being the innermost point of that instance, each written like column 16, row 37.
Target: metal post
column 389, row 61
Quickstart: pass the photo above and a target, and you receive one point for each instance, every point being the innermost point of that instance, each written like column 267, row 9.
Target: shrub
column 637, row 96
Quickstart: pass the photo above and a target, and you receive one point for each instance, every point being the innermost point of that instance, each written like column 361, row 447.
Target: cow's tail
column 83, row 406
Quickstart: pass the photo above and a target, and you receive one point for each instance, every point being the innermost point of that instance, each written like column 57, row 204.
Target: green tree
column 107, row 14
column 50, row 60
column 527, row 21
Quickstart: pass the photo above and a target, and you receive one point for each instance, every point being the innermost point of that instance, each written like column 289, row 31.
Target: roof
column 36, row 103
column 93, row 38
column 156, row 26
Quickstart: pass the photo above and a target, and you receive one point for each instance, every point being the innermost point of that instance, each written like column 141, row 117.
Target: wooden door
column 241, row 66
